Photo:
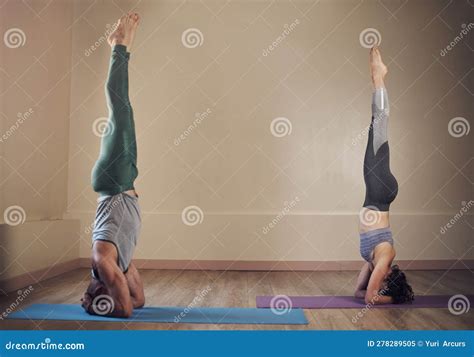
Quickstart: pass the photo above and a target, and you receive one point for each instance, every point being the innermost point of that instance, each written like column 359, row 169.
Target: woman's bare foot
column 124, row 33
column 377, row 68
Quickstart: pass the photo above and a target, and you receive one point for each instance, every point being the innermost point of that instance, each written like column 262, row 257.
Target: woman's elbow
column 377, row 299
column 370, row 298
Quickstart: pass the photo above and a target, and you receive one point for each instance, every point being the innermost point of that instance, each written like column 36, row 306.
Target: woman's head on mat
column 396, row 286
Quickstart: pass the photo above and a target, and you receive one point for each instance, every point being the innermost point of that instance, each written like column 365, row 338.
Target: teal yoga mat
column 201, row 315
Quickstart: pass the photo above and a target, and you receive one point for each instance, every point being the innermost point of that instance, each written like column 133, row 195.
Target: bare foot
column 377, row 68
column 124, row 33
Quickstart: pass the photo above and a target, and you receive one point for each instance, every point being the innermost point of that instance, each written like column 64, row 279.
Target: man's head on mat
column 92, row 294
column 396, row 286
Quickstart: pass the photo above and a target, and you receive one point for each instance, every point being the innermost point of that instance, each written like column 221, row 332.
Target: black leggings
column 381, row 185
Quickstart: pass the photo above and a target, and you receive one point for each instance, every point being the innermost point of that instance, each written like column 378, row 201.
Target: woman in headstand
column 116, row 288
column 379, row 282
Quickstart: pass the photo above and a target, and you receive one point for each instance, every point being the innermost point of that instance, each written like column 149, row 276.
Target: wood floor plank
column 240, row 289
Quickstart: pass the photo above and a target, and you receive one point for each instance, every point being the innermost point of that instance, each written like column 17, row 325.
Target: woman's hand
column 373, row 294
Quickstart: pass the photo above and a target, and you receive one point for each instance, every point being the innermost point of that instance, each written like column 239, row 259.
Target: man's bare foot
column 124, row 33
column 377, row 68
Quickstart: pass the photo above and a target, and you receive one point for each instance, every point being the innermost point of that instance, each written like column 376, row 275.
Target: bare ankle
column 378, row 82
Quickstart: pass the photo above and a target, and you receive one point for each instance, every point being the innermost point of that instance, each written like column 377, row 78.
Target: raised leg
column 381, row 185
column 116, row 168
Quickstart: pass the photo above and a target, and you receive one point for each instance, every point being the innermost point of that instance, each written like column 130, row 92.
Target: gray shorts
column 118, row 221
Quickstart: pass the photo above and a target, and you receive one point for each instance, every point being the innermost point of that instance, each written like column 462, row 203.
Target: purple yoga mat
column 350, row 302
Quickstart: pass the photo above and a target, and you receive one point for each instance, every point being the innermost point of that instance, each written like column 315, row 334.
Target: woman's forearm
column 364, row 277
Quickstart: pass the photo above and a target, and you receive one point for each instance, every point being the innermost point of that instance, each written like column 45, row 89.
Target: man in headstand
column 116, row 288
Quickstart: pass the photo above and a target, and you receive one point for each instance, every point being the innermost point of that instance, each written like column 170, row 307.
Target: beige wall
column 35, row 78
column 235, row 170
column 35, row 82
column 36, row 250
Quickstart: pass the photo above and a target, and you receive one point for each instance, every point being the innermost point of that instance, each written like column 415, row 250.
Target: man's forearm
column 117, row 288
column 123, row 305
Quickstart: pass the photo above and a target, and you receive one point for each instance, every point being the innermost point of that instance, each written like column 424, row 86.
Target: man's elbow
column 123, row 313
column 139, row 303
column 127, row 313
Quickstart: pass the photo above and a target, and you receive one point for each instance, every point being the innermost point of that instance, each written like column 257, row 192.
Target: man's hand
column 135, row 285
column 94, row 289
column 86, row 302
column 112, row 280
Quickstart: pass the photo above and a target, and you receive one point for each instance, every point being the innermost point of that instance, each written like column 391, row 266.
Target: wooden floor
column 239, row 289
